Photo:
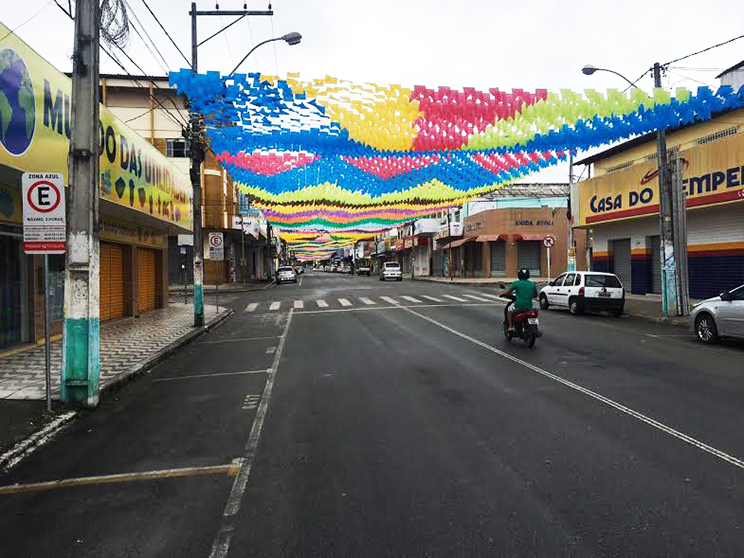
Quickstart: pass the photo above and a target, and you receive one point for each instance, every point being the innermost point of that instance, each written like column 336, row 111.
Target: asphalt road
column 347, row 417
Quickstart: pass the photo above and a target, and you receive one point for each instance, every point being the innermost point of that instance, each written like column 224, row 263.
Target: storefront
column 143, row 198
column 619, row 208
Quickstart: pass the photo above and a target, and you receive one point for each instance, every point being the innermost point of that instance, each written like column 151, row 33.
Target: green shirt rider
column 524, row 291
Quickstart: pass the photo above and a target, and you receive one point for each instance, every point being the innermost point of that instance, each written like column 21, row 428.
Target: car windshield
column 609, row 281
column 285, row 269
column 391, row 265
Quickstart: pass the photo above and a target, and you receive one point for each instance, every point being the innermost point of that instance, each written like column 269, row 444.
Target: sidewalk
column 478, row 281
column 128, row 346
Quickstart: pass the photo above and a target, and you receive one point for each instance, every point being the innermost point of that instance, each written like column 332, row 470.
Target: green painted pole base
column 81, row 362
column 198, row 305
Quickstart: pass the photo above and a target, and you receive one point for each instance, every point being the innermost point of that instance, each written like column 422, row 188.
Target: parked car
column 364, row 270
column 581, row 291
column 391, row 270
column 299, row 270
column 285, row 274
column 720, row 316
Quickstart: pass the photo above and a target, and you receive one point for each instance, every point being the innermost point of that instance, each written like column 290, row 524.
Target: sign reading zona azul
column 44, row 229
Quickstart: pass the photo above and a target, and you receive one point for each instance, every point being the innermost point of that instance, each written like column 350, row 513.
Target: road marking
column 264, row 371
column 23, row 449
column 398, row 306
column 321, row 303
column 457, row 298
column 251, row 402
column 593, row 394
column 411, row 299
column 230, row 470
column 299, row 305
column 367, row 301
column 344, row 302
column 474, row 297
column 492, row 296
column 270, row 350
column 660, row 336
column 251, row 307
column 236, row 340
column 221, row 544
column 389, row 299
column 275, row 305
column 432, row 298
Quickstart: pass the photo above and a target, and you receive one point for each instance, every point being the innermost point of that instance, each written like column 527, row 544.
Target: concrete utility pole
column 669, row 284
column 571, row 256
column 81, row 337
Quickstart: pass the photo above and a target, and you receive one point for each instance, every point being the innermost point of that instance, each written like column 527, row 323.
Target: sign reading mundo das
column 35, row 118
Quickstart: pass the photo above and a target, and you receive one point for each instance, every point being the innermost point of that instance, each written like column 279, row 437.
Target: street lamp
column 292, row 38
column 674, row 295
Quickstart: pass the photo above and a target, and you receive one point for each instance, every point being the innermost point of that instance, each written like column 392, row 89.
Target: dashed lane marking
column 474, row 297
column 457, row 298
column 251, row 402
column 344, row 302
column 251, row 307
column 432, row 298
column 270, row 350
column 275, row 305
column 299, row 304
column 389, row 299
column 367, row 301
column 321, row 303
column 411, row 299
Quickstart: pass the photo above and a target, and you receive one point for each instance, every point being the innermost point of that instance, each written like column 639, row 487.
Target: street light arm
column 589, row 70
column 251, row 52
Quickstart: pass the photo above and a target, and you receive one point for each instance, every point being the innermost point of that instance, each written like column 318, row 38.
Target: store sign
column 43, row 196
column 473, row 226
column 711, row 174
column 533, row 223
column 36, row 135
column 428, row 226
column 455, row 229
column 216, row 246
column 130, row 233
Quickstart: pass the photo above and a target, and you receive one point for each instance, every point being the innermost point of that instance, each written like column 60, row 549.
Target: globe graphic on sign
column 17, row 104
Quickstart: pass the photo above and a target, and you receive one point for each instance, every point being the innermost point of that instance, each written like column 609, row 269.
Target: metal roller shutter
column 528, row 255
column 621, row 261
column 498, row 258
column 656, row 264
column 146, row 283
column 111, row 281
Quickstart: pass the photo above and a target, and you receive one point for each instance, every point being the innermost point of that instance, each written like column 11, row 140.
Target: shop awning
column 530, row 236
column 457, row 243
column 491, row 237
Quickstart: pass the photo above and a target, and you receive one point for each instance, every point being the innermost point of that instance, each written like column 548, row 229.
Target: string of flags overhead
column 329, row 161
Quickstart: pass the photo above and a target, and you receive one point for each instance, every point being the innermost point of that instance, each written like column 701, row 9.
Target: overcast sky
column 477, row 43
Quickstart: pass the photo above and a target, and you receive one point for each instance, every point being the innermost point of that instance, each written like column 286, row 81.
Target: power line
column 162, row 67
column 273, row 36
column 227, row 42
column 166, row 69
column 17, row 27
column 704, row 50
column 167, row 34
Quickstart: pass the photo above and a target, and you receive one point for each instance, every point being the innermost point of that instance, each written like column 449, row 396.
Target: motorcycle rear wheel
column 529, row 337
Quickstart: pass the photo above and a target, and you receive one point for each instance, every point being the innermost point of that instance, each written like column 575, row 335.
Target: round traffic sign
column 549, row 241
column 215, row 240
column 43, row 196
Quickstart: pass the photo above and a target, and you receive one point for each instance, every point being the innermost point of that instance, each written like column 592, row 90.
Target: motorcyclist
column 524, row 291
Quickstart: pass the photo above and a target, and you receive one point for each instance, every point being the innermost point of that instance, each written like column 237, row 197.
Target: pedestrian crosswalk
column 371, row 301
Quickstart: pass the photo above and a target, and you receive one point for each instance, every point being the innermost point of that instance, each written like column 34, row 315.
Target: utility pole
column 81, row 334
column 197, row 153
column 571, row 257
column 669, row 271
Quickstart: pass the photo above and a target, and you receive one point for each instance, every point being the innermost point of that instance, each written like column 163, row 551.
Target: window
column 569, row 280
column 609, row 281
column 738, row 294
column 558, row 281
column 176, row 147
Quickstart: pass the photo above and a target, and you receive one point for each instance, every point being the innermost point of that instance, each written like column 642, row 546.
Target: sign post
column 549, row 242
column 44, row 232
column 217, row 253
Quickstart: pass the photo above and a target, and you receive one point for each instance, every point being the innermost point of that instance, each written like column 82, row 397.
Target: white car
column 580, row 291
column 391, row 270
column 720, row 316
column 286, row 274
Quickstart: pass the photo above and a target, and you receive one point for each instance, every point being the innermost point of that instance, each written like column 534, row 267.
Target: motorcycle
column 526, row 325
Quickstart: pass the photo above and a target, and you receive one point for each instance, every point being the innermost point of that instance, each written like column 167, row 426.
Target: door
column 529, row 256
column 11, row 292
column 563, row 291
column 656, row 264
column 621, row 261
column 552, row 291
column 731, row 314
column 146, row 280
column 111, row 281
column 498, row 258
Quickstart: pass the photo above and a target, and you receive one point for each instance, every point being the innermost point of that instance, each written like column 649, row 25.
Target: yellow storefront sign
column 35, row 113
column 712, row 174
column 116, row 230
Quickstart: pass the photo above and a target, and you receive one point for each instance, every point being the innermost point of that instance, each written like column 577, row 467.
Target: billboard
column 712, row 174
column 35, row 118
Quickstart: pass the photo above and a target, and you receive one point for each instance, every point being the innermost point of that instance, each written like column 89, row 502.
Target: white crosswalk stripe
column 491, row 296
column 251, row 307
column 321, row 303
column 275, row 305
column 410, row 299
column 344, row 301
column 457, row 298
column 432, row 298
column 477, row 298
column 367, row 301
column 389, row 299
column 299, row 305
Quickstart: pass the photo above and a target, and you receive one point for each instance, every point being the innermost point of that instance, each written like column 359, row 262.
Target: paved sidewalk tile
column 124, row 343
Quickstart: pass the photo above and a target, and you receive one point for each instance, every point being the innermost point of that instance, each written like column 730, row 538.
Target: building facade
column 619, row 207
column 144, row 198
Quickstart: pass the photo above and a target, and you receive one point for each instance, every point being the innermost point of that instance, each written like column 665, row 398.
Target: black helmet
column 523, row 274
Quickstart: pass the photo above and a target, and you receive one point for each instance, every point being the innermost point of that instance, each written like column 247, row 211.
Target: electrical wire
column 704, row 50
column 273, row 36
column 250, row 33
column 158, row 62
column 17, row 27
column 227, row 42
column 167, row 34
column 166, row 69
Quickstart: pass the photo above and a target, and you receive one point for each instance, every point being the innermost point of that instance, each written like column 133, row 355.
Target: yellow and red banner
column 35, row 120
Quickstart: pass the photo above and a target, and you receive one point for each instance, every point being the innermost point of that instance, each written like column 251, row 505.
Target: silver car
column 720, row 316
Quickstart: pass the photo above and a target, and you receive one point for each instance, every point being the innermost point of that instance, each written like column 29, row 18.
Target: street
column 343, row 416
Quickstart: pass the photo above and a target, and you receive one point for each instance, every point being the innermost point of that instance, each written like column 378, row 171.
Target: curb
column 117, row 383
column 661, row 320
column 34, row 441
